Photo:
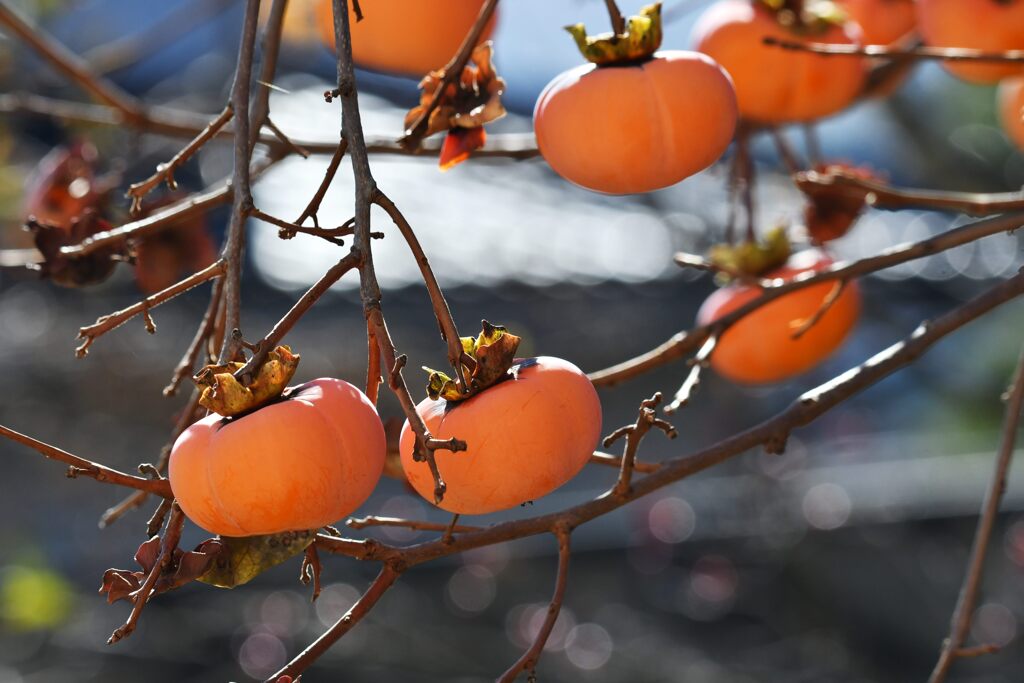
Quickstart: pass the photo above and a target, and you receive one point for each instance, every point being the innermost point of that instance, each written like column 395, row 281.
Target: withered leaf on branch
column 492, row 352
column 753, row 258
column 63, row 185
column 243, row 559
column 184, row 567
column 225, row 395
column 832, row 208
column 78, row 271
column 466, row 105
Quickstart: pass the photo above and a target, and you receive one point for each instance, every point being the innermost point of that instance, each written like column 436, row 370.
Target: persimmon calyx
column 641, row 39
column 465, row 106
column 492, row 355
column 225, row 395
column 806, row 16
column 752, row 259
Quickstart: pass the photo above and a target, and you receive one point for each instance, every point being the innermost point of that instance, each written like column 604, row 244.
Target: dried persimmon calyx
column 492, row 355
column 639, row 41
column 752, row 258
column 226, row 395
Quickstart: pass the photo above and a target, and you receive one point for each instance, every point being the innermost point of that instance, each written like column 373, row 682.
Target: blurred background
column 838, row 561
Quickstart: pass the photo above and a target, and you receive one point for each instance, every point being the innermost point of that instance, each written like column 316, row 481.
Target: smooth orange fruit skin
column 978, row 24
column 1010, row 101
column 409, row 37
column 775, row 85
column 525, row 437
column 297, row 464
column 882, row 22
column 759, row 348
column 627, row 129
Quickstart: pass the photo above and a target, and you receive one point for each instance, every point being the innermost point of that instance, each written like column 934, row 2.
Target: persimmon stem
column 615, row 16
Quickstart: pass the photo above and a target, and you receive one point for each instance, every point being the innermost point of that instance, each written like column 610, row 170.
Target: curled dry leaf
column 226, row 395
column 79, row 271
column 640, row 40
column 832, row 209
column 466, row 105
column 63, row 185
column 243, row 559
column 491, row 353
column 752, row 258
column 184, row 567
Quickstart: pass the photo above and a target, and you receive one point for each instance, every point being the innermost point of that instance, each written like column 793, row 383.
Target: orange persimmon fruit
column 525, row 437
column 988, row 25
column 760, row 348
column 299, row 463
column 622, row 129
column 774, row 85
column 1011, row 109
column 408, row 37
column 882, row 22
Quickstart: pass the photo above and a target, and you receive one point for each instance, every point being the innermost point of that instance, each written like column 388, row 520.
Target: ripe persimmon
column 1011, row 109
column 760, row 347
column 636, row 128
column 408, row 37
column 989, row 25
column 299, row 463
column 882, row 22
column 637, row 121
column 526, row 436
column 775, row 85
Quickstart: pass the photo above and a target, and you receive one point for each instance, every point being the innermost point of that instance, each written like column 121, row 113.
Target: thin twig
column 373, row 378
column 105, row 324
column 87, row 468
column 140, row 597
column 187, row 364
column 684, row 343
column 443, row 314
column 310, row 570
column 305, row 302
column 289, row 230
column 949, row 54
column 165, row 171
column 697, row 365
column 801, row 327
column 609, row 460
column 416, row 525
column 615, row 15
column 961, row 622
column 647, row 417
column 360, row 609
column 332, row 169
column 883, row 196
column 528, row 662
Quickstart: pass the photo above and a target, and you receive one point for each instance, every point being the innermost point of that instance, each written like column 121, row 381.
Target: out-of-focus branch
column 953, row 647
column 949, row 54
column 70, row 64
column 883, row 196
column 688, row 342
column 416, row 525
column 86, row 468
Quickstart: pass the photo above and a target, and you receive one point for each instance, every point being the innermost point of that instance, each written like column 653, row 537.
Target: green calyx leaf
column 487, row 360
column 753, row 259
column 243, row 559
column 640, row 40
